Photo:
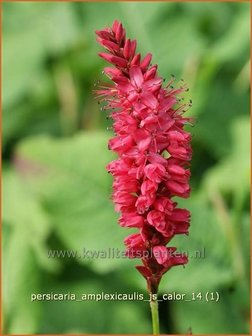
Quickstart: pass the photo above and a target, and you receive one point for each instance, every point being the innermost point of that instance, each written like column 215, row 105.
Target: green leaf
column 75, row 189
column 203, row 317
column 21, row 279
column 114, row 316
column 23, row 211
column 20, row 73
column 32, row 45
column 16, row 200
column 235, row 41
column 232, row 174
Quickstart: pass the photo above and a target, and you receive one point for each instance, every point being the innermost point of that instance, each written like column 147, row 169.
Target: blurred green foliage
column 56, row 190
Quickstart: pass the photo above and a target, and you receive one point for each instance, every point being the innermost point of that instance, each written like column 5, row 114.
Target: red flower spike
column 148, row 125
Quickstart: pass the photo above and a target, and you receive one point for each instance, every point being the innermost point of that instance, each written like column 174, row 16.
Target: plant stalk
column 154, row 315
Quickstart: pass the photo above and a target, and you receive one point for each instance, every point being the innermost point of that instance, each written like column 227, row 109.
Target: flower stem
column 154, row 315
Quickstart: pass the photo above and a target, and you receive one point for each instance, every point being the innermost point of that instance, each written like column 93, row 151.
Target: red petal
column 161, row 254
column 151, row 73
column 175, row 169
column 136, row 76
column 118, row 61
column 115, row 25
column 103, row 34
column 112, row 72
column 146, row 61
column 126, row 49
column 133, row 48
column 111, row 46
column 119, row 32
column 149, row 100
column 180, row 215
column 136, row 59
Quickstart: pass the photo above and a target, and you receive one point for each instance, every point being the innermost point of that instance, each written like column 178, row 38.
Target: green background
column 55, row 187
